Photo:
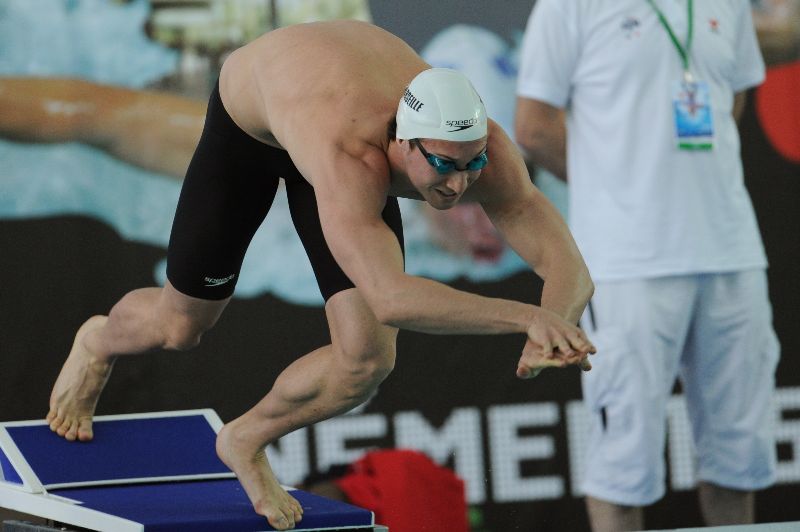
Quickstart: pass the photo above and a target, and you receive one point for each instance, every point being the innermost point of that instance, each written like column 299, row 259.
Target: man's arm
column 350, row 206
column 536, row 231
column 368, row 251
column 153, row 130
column 540, row 130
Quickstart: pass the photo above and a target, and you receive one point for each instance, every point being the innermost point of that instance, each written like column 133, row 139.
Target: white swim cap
column 441, row 103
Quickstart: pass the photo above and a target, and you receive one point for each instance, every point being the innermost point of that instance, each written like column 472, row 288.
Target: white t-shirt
column 639, row 206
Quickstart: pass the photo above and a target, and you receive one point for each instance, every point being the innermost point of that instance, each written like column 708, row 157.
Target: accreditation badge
column 691, row 103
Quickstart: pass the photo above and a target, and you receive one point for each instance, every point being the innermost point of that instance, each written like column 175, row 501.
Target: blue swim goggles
column 444, row 166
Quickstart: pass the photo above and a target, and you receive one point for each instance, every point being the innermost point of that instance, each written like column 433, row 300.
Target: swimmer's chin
column 445, row 207
column 443, row 203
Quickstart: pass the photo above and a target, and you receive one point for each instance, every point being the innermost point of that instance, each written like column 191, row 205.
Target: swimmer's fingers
column 537, row 357
column 578, row 350
column 565, row 352
column 559, row 353
column 525, row 371
column 579, row 341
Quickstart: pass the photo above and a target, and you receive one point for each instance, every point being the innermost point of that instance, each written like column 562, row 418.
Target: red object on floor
column 407, row 491
column 778, row 108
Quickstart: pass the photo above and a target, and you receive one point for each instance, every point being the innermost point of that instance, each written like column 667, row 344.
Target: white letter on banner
column 459, row 437
column 508, row 449
column 680, row 446
column 577, row 437
column 332, row 436
column 289, row 458
column 788, row 432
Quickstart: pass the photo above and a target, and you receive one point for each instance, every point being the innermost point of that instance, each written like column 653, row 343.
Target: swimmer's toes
column 84, row 430
column 72, row 432
column 275, row 517
column 64, row 427
column 55, row 422
column 281, row 522
column 297, row 508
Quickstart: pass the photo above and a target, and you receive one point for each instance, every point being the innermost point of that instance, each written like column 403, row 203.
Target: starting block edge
column 139, row 480
column 211, row 416
column 10, row 452
column 30, row 482
column 58, row 509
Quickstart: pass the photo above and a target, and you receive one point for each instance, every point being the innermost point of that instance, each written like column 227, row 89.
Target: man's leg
column 322, row 384
column 141, row 321
column 638, row 326
column 728, row 379
column 724, row 506
column 609, row 517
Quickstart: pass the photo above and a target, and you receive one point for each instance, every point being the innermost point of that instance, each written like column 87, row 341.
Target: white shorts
column 715, row 332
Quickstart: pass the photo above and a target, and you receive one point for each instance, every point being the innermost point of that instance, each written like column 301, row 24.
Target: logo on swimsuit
column 412, row 101
column 460, row 125
column 214, row 281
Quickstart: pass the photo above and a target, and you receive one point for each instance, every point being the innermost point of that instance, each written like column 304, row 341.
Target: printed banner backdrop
column 81, row 226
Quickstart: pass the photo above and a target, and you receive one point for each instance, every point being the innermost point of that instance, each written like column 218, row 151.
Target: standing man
column 351, row 118
column 636, row 102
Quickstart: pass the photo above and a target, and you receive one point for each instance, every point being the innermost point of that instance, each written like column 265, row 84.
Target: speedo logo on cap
column 460, row 125
column 412, row 101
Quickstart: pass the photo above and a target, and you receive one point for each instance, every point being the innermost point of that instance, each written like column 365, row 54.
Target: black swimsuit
column 229, row 188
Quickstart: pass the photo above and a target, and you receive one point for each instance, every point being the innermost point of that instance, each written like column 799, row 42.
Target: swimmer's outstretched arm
column 351, row 194
column 534, row 228
column 536, row 231
column 153, row 130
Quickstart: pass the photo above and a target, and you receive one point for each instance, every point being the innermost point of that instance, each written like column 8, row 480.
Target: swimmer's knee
column 182, row 333
column 183, row 326
column 376, row 369
column 366, row 368
column 180, row 341
column 383, row 364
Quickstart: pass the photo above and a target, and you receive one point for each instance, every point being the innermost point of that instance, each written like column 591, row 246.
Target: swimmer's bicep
column 363, row 245
column 506, row 191
column 530, row 224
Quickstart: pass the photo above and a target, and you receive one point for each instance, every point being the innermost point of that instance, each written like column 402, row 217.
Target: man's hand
column 552, row 342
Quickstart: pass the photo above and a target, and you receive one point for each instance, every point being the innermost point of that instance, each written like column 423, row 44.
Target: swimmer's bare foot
column 250, row 464
column 78, row 388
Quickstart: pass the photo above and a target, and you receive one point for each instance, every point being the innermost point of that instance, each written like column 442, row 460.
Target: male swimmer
column 351, row 118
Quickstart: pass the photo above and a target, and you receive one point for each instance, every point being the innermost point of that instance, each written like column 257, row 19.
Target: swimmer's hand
column 553, row 342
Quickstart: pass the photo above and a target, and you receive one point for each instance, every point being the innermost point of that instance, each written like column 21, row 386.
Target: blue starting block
column 143, row 472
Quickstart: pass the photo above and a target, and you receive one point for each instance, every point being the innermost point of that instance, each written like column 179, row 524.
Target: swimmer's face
column 441, row 170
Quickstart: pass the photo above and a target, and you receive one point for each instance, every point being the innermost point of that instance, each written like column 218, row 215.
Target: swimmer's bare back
column 308, row 86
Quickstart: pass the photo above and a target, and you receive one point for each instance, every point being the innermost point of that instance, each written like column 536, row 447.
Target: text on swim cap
column 468, row 122
column 412, row 101
column 460, row 125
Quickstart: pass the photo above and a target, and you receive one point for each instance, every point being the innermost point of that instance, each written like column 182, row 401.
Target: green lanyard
column 682, row 50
